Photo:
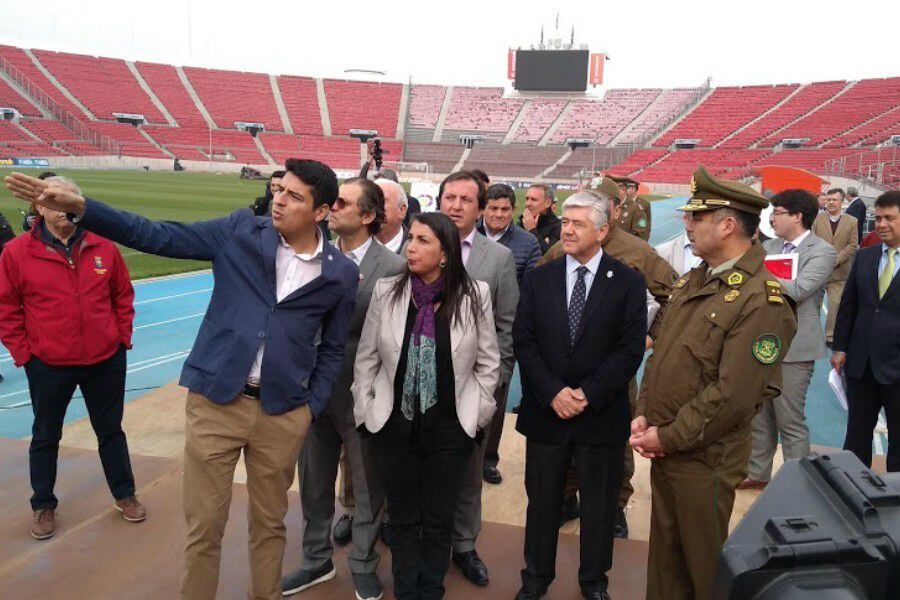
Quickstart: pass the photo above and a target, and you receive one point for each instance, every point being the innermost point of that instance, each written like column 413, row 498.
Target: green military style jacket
column 635, row 218
column 718, row 356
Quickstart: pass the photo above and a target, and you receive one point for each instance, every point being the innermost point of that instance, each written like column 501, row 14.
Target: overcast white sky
column 652, row 43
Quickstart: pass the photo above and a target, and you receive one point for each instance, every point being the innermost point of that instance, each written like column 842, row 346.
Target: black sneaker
column 343, row 530
column 368, row 586
column 301, row 579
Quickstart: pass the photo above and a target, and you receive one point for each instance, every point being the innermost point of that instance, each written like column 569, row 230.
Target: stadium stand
column 866, row 100
column 15, row 143
column 727, row 109
column 661, row 112
column 539, row 116
column 481, row 110
column 301, row 103
column 425, row 105
column 103, row 85
column 165, row 83
column 739, row 128
column 513, row 161
column 363, row 105
column 639, row 160
column 131, row 141
column 877, row 130
column 441, row 157
column 602, row 120
column 10, row 98
column 231, row 96
column 23, row 64
column 806, row 99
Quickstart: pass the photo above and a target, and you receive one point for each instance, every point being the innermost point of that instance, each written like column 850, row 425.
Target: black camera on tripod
column 377, row 153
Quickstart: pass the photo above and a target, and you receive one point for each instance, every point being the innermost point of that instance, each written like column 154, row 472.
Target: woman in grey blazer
column 424, row 378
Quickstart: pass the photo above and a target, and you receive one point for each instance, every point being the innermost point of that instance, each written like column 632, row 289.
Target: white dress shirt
column 292, row 271
column 572, row 274
column 795, row 243
column 395, row 243
column 495, row 237
column 467, row 246
column 690, row 259
column 357, row 254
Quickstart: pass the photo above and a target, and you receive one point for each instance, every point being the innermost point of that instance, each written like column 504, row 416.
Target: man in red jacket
column 66, row 311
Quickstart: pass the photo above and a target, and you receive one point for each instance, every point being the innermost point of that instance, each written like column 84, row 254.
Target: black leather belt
column 251, row 391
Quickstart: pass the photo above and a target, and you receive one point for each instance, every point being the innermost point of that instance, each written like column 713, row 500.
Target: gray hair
column 548, row 191
column 851, row 191
column 598, row 203
column 402, row 200
column 59, row 179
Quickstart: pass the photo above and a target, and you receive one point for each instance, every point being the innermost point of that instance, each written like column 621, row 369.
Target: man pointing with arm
column 268, row 351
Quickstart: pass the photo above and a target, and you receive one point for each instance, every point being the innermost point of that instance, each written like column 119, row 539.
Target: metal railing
column 105, row 144
column 878, row 167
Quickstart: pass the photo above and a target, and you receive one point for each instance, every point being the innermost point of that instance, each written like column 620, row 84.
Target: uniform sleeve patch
column 767, row 348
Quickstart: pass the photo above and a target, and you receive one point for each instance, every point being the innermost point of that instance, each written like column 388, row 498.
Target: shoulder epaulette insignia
column 735, row 279
column 732, row 296
column 776, row 299
column 680, row 283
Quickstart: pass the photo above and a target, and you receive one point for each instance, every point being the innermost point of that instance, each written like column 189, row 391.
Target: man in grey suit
column 356, row 217
column 463, row 198
column 792, row 217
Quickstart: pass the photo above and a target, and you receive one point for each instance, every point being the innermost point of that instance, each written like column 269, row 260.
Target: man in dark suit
column 856, row 209
column 579, row 336
column 262, row 367
column 356, row 217
column 867, row 337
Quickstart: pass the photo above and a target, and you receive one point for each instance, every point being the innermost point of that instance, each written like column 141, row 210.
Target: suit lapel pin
column 609, row 274
column 330, row 257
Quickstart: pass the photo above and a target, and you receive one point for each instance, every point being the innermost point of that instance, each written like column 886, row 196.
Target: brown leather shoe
column 43, row 524
column 752, row 484
column 131, row 509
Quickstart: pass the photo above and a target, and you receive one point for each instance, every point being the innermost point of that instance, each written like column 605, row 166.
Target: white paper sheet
column 839, row 386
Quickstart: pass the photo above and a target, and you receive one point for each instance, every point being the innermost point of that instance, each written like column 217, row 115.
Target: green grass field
column 165, row 195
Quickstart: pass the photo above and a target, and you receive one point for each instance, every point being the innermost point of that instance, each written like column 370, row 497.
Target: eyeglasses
column 780, row 212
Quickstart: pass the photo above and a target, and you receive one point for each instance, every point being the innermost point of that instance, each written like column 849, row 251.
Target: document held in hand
column 783, row 266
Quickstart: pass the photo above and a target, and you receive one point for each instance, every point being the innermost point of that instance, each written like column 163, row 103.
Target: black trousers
column 103, row 387
column 494, row 431
column 421, row 476
column 599, row 471
column 866, row 397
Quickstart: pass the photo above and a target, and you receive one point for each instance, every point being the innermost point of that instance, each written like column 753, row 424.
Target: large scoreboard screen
column 551, row 70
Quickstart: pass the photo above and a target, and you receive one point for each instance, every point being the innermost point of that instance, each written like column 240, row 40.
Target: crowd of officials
column 357, row 342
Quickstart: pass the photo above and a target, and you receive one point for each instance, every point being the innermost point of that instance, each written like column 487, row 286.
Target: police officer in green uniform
column 717, row 358
column 642, row 226
column 633, row 217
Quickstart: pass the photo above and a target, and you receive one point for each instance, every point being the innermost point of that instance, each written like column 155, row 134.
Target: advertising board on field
column 24, row 162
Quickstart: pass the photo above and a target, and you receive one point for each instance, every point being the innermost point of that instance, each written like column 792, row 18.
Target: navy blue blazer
column 868, row 328
column 304, row 333
column 608, row 350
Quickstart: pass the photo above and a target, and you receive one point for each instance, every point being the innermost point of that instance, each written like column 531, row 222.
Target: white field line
column 182, row 295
